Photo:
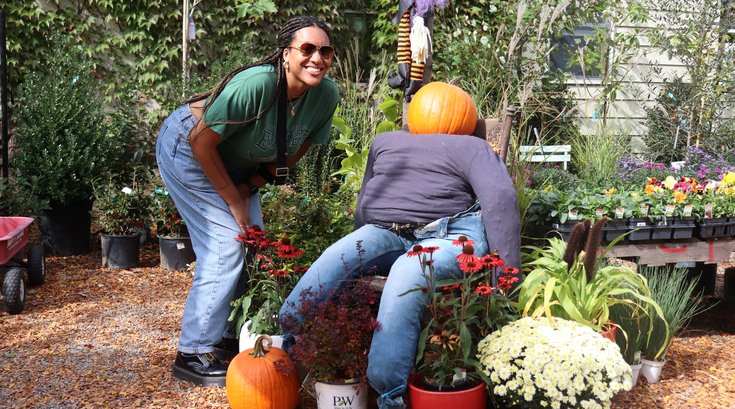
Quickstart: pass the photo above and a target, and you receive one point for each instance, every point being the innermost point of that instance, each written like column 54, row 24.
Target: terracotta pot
column 609, row 332
column 473, row 398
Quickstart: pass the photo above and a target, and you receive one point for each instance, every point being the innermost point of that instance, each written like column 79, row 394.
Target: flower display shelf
column 564, row 229
column 710, row 228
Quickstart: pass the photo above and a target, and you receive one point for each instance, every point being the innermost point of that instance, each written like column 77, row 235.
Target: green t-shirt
column 248, row 93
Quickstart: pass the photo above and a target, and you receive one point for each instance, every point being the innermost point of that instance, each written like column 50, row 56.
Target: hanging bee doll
column 414, row 44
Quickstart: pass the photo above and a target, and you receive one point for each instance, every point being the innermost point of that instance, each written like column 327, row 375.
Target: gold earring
column 285, row 65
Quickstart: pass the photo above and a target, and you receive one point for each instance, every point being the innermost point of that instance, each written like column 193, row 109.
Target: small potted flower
column 174, row 244
column 460, row 312
column 553, row 363
column 273, row 271
column 333, row 341
column 122, row 211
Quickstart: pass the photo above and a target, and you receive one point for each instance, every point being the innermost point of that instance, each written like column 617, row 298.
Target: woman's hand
column 242, row 213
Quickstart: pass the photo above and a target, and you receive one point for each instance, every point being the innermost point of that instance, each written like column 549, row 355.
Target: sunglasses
column 308, row 49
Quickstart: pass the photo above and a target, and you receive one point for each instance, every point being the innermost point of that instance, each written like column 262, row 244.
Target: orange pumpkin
column 439, row 107
column 262, row 378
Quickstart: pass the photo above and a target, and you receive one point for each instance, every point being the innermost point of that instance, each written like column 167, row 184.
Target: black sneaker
column 227, row 349
column 200, row 369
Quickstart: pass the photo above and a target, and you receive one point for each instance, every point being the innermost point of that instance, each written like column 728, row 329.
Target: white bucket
column 651, row 370
column 636, row 370
column 247, row 340
column 341, row 395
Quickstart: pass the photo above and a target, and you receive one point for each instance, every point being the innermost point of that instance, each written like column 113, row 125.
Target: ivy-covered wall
column 136, row 45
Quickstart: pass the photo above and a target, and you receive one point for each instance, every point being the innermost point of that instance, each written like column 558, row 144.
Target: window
column 566, row 58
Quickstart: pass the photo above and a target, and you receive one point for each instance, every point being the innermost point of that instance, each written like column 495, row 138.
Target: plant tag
column 687, row 210
column 644, row 210
column 599, row 213
column 459, row 378
column 640, row 224
column 669, row 210
column 180, row 246
column 619, row 212
column 573, row 214
column 708, row 207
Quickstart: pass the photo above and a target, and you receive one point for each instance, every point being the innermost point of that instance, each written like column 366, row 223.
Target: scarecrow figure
column 414, row 44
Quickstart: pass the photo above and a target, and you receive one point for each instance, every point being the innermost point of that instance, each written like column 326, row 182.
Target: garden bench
column 496, row 132
column 546, row 153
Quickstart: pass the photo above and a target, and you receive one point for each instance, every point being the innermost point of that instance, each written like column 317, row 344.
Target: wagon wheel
column 14, row 290
column 36, row 265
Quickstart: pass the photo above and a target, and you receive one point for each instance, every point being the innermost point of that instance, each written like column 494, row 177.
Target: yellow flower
column 611, row 191
column 669, row 182
column 728, row 178
column 680, row 196
column 547, row 188
column 650, row 189
column 634, row 195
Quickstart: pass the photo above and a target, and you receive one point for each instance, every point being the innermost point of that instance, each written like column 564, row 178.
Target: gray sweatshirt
column 421, row 178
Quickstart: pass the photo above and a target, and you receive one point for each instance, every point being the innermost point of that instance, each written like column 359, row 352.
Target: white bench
column 546, row 153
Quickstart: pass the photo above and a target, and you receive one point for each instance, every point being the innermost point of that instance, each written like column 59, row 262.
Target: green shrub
column 18, row 197
column 62, row 135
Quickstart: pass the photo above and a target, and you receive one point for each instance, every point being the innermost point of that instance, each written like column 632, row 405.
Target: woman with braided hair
column 216, row 150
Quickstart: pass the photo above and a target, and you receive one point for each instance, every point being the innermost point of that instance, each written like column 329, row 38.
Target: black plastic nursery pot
column 176, row 252
column 120, row 251
column 711, row 228
column 565, row 229
column 683, row 228
column 614, row 229
column 662, row 230
column 65, row 229
column 640, row 229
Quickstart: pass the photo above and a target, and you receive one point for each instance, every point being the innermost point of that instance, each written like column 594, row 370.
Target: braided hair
column 284, row 39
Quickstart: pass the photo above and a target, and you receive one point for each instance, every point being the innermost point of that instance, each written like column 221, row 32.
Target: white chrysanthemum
column 553, row 363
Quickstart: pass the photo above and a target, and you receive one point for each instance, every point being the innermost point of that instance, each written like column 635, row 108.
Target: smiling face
column 306, row 71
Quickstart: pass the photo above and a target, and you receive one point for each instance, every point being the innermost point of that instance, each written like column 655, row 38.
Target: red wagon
column 15, row 272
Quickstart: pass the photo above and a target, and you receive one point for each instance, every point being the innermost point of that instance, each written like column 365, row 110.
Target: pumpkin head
column 439, row 107
column 261, row 378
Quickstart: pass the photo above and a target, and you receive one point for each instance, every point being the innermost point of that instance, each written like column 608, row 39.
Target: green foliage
column 675, row 108
column 124, row 208
column 138, row 45
column 62, row 135
column 675, row 293
column 314, row 221
column 165, row 216
column 18, row 197
column 596, row 156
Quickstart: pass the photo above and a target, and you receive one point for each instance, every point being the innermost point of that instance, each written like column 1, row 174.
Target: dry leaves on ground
column 93, row 337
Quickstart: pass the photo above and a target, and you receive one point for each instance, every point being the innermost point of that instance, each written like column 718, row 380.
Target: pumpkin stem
column 259, row 350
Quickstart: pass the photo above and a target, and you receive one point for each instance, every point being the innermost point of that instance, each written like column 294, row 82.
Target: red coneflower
column 430, row 249
column 279, row 273
column 483, row 289
column 468, row 254
column 511, row 270
column 450, row 288
column 415, row 250
column 470, row 266
column 506, row 282
column 462, row 240
column 286, row 249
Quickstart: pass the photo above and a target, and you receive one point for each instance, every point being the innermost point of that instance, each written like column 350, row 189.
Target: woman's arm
column 204, row 143
column 257, row 180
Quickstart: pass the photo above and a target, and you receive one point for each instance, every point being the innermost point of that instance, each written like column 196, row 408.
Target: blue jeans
column 220, row 259
column 393, row 347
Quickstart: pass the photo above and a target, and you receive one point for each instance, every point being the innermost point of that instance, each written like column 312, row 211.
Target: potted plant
column 674, row 292
column 122, row 211
column 273, row 271
column 630, row 319
column 62, row 138
column 174, row 244
column 567, row 281
column 553, row 363
column 460, row 311
column 333, row 340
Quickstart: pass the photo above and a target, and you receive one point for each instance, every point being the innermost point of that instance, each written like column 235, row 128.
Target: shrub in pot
column 122, row 210
column 63, row 140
